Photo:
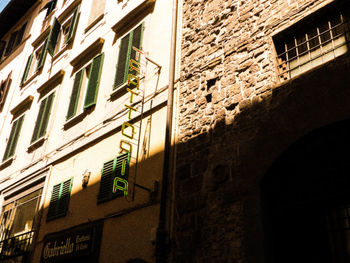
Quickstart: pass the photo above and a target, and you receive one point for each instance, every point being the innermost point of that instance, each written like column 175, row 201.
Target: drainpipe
column 161, row 238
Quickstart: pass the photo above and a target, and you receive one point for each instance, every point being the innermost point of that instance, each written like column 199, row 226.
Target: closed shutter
column 2, row 47
column 94, row 81
column 20, row 35
column 59, row 202
column 74, row 98
column 42, row 56
column 43, row 117
column 26, row 71
column 107, row 177
column 11, row 43
column 14, row 135
column 120, row 76
column 134, row 38
column 52, row 39
column 46, row 115
column 73, row 25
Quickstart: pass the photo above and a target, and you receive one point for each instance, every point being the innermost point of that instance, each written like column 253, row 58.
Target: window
column 35, row 62
column 14, row 135
column 114, row 178
column 62, row 32
column 85, row 87
column 15, row 39
column 43, row 117
column 59, row 200
column 50, row 6
column 17, row 225
column 319, row 39
column 4, row 88
column 126, row 53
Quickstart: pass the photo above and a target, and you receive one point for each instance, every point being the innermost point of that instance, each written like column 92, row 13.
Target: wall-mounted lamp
column 86, row 177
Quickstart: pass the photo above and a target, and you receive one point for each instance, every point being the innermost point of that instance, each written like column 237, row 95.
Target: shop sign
column 79, row 242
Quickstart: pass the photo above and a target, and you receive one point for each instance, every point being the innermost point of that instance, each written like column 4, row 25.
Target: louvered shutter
column 74, row 98
column 12, row 142
column 94, row 81
column 20, row 35
column 73, row 25
column 136, row 42
column 52, row 39
column 2, row 47
column 26, row 71
column 42, row 56
column 38, row 121
column 107, row 177
column 46, row 115
column 54, row 201
column 121, row 73
column 63, row 202
column 5, row 86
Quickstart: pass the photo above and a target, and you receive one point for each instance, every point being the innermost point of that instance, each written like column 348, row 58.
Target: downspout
column 161, row 238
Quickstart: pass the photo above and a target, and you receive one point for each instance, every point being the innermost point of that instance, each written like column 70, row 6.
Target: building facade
column 261, row 160
column 84, row 89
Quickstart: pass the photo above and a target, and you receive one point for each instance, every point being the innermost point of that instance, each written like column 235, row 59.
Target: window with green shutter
column 114, row 178
column 13, row 139
column 126, row 53
column 85, row 87
column 59, row 202
column 43, row 117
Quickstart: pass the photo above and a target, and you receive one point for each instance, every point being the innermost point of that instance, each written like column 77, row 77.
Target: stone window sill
column 74, row 120
column 7, row 162
column 36, row 144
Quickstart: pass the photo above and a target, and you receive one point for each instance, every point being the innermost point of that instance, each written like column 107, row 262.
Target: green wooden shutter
column 136, row 41
column 59, row 202
column 107, row 177
column 54, row 201
column 64, row 198
column 74, row 98
column 14, row 135
column 52, row 39
column 50, row 7
column 46, row 115
column 94, row 81
column 26, row 71
column 42, row 56
column 121, row 73
column 43, row 117
column 73, row 25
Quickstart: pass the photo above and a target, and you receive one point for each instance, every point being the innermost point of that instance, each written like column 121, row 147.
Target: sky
column 3, row 4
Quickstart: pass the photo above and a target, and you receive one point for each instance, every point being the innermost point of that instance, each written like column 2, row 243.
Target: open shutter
column 20, row 35
column 50, row 7
column 63, row 202
column 2, row 47
column 52, row 39
column 38, row 121
column 46, row 115
column 74, row 98
column 5, row 86
column 107, row 177
column 73, row 25
column 12, row 142
column 54, row 201
column 94, row 81
column 121, row 73
column 42, row 56
column 26, row 71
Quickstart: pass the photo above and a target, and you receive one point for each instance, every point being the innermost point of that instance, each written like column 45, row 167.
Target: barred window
column 312, row 42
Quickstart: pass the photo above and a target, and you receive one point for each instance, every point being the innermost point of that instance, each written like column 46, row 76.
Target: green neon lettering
column 122, row 172
column 133, row 67
column 130, row 109
column 132, row 130
column 132, row 94
column 122, row 147
column 134, row 80
column 123, row 188
column 138, row 52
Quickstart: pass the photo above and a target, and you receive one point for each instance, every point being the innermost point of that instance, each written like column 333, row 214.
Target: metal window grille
column 17, row 245
column 320, row 41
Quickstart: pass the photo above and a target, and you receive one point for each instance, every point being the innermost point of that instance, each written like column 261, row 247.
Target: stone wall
column 235, row 119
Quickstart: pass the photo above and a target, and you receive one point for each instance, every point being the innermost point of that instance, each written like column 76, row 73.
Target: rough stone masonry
column 235, row 119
